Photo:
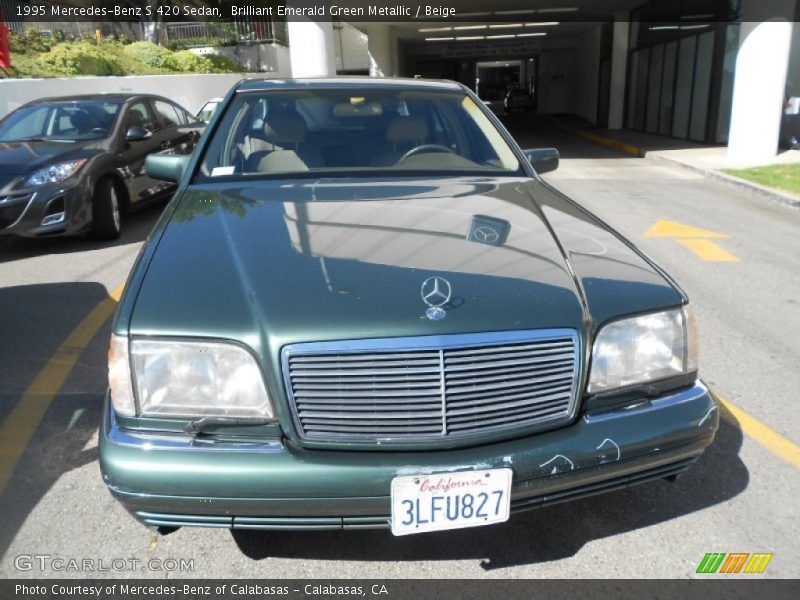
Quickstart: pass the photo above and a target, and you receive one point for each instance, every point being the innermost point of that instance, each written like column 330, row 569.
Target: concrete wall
column 557, row 81
column 190, row 91
column 254, row 58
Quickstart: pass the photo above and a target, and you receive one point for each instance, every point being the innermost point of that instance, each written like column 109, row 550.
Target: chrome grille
column 431, row 387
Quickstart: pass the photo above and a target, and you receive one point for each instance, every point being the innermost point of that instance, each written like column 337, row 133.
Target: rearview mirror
column 543, row 160
column 166, row 167
column 137, row 134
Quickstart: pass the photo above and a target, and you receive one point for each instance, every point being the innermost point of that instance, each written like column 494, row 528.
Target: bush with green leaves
column 188, row 62
column 150, row 54
column 79, row 58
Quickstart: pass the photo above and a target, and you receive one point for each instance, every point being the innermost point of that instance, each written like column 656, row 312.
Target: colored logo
column 734, row 562
column 436, row 292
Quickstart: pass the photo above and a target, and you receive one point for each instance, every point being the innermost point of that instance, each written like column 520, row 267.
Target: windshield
column 341, row 130
column 60, row 121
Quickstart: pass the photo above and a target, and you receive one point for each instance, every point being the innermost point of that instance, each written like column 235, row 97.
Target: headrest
column 284, row 127
column 407, row 129
column 80, row 120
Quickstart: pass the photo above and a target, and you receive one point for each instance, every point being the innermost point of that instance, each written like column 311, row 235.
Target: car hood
column 23, row 158
column 285, row 262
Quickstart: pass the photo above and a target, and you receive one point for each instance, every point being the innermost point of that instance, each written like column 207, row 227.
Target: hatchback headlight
column 644, row 349
column 187, row 379
column 56, row 173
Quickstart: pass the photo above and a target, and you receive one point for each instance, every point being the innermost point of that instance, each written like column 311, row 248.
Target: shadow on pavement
column 135, row 228
column 63, row 440
column 543, row 535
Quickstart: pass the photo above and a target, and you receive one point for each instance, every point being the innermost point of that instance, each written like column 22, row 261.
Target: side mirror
column 137, row 134
column 166, row 167
column 543, row 160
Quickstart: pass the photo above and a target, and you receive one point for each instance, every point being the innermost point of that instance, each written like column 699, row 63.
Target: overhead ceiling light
column 465, row 27
column 532, row 34
column 499, row 37
column 685, row 27
column 474, row 14
column 557, row 10
column 469, row 38
column 439, row 39
column 432, row 29
column 543, row 24
column 515, row 12
column 664, row 27
column 505, row 25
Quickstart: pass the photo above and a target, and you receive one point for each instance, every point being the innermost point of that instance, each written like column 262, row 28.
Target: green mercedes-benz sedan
column 364, row 308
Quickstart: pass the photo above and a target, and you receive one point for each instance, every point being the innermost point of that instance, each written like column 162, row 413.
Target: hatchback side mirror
column 137, row 134
column 543, row 160
column 166, row 167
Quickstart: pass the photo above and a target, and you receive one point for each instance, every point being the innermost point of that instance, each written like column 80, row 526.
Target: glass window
column 667, row 86
column 683, row 87
column 634, row 74
column 702, row 84
column 641, row 89
column 168, row 113
column 654, row 88
column 60, row 121
column 140, row 115
column 726, row 85
column 336, row 130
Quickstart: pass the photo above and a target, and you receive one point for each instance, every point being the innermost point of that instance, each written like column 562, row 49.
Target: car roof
column 104, row 96
column 345, row 82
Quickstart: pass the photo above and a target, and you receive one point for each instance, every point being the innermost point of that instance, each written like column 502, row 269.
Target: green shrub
column 223, row 64
column 185, row 61
column 79, row 58
column 150, row 54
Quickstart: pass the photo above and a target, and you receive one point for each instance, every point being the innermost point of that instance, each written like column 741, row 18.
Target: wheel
column 106, row 219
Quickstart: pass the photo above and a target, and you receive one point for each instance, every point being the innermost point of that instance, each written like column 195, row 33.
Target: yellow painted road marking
column 670, row 229
column 708, row 250
column 758, row 431
column 694, row 239
column 21, row 423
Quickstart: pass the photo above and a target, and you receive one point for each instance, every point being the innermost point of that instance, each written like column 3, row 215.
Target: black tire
column 106, row 211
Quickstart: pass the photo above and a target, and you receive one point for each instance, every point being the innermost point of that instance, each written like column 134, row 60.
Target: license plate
column 450, row 500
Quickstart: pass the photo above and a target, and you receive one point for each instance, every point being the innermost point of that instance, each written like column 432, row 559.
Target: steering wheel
column 426, row 148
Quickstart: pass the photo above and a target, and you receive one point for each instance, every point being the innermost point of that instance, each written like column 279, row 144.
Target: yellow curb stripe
column 758, row 431
column 604, row 141
column 708, row 250
column 21, row 423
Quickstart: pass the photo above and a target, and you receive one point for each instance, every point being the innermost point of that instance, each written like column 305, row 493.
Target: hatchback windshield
column 60, row 121
column 340, row 130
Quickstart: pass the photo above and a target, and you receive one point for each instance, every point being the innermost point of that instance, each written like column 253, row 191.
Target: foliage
column 188, row 62
column 79, row 58
column 150, row 54
column 56, row 54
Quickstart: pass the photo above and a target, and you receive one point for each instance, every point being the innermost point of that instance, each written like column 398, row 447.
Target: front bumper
column 24, row 213
column 174, row 480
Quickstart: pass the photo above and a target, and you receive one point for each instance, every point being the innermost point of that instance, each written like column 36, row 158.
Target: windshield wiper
column 40, row 139
column 200, row 424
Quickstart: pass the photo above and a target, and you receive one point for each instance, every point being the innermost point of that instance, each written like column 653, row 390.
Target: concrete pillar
column 379, row 46
column 311, row 49
column 759, row 86
column 619, row 68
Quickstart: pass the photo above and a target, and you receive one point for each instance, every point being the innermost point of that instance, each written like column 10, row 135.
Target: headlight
column 643, row 349
column 189, row 379
column 55, row 173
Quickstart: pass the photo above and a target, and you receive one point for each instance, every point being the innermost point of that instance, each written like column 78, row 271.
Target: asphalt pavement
column 737, row 257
